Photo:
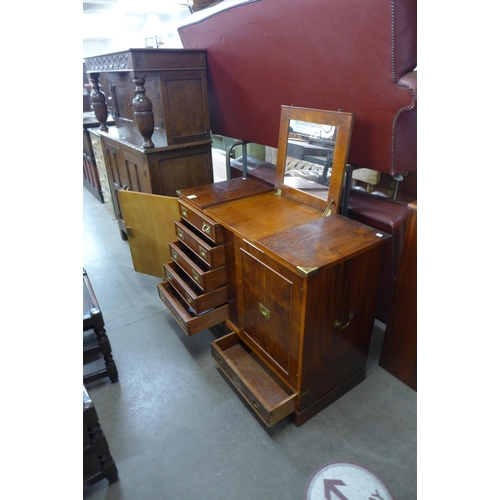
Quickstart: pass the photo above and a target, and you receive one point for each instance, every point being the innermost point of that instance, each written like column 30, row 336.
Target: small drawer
column 207, row 279
column 189, row 322
column 213, row 256
column 268, row 397
column 200, row 221
column 189, row 291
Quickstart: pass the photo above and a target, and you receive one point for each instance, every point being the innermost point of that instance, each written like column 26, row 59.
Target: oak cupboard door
column 149, row 222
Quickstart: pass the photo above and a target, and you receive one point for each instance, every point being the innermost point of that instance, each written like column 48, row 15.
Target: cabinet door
column 135, row 172
column 340, row 311
column 149, row 220
column 270, row 310
column 185, row 94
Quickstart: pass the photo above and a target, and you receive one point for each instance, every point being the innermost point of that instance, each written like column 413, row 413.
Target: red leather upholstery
column 353, row 55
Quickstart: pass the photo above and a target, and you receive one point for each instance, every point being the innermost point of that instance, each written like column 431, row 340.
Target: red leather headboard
column 353, row 55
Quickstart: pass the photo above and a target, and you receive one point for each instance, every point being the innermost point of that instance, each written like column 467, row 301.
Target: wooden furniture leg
column 97, row 460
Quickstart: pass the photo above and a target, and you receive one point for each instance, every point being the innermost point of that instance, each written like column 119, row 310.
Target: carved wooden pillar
column 143, row 113
column 98, row 100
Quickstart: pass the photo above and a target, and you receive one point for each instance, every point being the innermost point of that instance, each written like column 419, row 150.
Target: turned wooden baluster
column 143, row 113
column 98, row 100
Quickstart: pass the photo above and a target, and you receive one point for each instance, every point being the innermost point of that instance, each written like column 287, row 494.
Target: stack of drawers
column 101, row 170
column 195, row 289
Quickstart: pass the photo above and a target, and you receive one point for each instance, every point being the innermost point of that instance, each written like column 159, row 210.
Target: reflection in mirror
column 312, row 154
column 309, row 157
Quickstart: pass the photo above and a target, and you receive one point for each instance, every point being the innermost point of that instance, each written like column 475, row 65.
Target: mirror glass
column 309, row 157
column 312, row 153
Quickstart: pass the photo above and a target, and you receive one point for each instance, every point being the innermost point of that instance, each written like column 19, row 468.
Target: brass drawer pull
column 174, row 255
column 169, row 276
column 203, row 252
column 338, row 324
column 196, row 276
column 184, row 212
column 189, row 299
column 206, row 228
column 265, row 311
column 255, row 405
column 180, row 234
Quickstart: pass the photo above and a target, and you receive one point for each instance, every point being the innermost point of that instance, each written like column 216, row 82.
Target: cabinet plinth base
column 302, row 417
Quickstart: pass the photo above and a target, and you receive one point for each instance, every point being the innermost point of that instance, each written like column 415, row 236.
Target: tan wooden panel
column 151, row 220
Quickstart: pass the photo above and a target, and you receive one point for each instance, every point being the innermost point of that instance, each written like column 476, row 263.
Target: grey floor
column 177, row 430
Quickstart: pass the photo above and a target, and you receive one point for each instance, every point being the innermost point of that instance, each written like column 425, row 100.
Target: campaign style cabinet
column 300, row 303
column 158, row 99
column 293, row 282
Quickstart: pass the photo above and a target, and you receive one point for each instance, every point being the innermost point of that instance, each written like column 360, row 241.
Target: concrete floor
column 177, row 430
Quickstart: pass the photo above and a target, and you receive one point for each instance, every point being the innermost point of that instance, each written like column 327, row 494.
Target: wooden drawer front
column 189, row 322
column 200, row 221
column 189, row 291
column 268, row 397
column 201, row 274
column 213, row 256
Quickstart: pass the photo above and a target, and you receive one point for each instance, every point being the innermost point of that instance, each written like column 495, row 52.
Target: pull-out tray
column 268, row 397
column 213, row 256
column 189, row 291
column 207, row 279
column 188, row 321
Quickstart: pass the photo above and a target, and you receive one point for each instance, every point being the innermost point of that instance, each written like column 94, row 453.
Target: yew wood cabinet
column 295, row 289
column 293, row 282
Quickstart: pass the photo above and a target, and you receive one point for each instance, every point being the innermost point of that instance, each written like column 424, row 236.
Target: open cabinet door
column 149, row 220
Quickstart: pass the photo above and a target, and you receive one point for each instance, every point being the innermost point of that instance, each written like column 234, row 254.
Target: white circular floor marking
column 345, row 481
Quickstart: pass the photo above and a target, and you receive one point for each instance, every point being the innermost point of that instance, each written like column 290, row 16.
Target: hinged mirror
column 312, row 154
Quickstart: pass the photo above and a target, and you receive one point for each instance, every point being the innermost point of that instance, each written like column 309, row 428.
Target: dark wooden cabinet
column 158, row 98
column 98, row 463
column 399, row 350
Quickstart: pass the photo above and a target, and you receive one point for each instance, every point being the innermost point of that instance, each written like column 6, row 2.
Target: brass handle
column 189, row 299
column 180, row 234
column 265, row 311
column 203, row 252
column 169, row 276
column 174, row 255
column 206, row 228
column 196, row 276
column 255, row 405
column 184, row 212
column 338, row 324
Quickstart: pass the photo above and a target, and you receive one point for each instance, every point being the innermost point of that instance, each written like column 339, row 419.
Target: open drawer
column 207, row 279
column 190, row 322
column 270, row 398
column 189, row 291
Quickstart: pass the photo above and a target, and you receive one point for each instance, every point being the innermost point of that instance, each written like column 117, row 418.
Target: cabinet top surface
column 292, row 232
column 147, row 60
column 149, row 51
column 323, row 242
column 202, row 197
column 261, row 215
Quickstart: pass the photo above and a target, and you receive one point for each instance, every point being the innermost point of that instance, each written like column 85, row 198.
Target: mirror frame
column 343, row 122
